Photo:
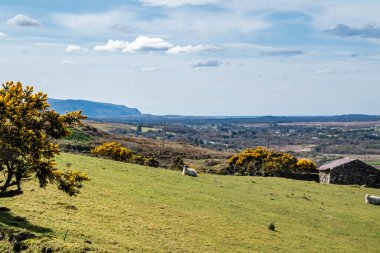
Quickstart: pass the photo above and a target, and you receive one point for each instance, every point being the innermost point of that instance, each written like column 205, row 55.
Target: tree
column 27, row 128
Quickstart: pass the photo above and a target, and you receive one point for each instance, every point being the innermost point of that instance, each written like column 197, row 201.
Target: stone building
column 347, row 171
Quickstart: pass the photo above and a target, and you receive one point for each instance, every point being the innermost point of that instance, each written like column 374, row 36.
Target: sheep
column 188, row 171
column 371, row 199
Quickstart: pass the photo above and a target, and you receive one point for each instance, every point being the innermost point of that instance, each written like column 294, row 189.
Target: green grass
column 374, row 162
column 134, row 208
column 77, row 134
column 115, row 127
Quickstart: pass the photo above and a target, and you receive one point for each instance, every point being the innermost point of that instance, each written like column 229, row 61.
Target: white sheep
column 371, row 199
column 188, row 171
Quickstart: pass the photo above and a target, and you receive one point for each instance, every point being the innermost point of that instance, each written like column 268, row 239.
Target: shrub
column 176, row 163
column 114, row 151
column 151, row 162
column 212, row 163
column 262, row 162
column 138, row 159
column 306, row 166
column 117, row 152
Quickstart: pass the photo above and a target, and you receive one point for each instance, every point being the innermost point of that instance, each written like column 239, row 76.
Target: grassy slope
column 133, row 208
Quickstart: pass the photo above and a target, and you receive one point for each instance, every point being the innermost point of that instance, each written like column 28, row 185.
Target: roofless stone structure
column 348, row 171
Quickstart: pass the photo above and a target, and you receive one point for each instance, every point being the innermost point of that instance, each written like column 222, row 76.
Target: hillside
column 134, row 208
column 92, row 109
column 92, row 134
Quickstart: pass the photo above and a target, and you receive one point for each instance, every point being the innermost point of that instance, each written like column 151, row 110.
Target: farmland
column 231, row 135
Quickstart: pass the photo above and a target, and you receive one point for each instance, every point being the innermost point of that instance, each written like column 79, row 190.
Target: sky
column 198, row 57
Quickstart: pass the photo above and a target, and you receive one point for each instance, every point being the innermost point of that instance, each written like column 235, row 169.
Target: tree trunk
column 18, row 181
column 7, row 182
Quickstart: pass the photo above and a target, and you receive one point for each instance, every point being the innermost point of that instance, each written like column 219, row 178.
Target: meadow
column 132, row 208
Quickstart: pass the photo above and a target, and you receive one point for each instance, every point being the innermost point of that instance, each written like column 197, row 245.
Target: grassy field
column 131, row 208
column 115, row 127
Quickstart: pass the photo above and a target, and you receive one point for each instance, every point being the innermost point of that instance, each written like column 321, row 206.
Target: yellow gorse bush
column 265, row 162
column 114, row 151
column 306, row 165
column 27, row 126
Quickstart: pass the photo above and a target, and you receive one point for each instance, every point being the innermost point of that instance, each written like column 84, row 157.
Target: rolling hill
column 92, row 109
column 128, row 207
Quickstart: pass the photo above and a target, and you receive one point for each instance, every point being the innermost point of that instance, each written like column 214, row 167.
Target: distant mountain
column 92, row 109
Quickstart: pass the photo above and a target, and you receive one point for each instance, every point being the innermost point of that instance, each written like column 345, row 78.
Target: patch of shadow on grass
column 11, row 220
column 10, row 194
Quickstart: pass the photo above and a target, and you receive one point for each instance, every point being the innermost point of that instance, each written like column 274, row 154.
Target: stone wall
column 324, row 177
column 355, row 172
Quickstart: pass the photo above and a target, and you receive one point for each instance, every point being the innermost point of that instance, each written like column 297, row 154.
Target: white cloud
column 192, row 49
column 229, row 23
column 3, row 35
column 325, row 71
column 22, row 20
column 345, row 71
column 149, row 69
column 205, row 64
column 73, row 48
column 175, row 3
column 112, row 45
column 145, row 43
column 141, row 43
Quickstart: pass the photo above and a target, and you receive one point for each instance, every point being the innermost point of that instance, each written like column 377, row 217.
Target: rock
column 20, row 219
column 22, row 236
column 272, row 227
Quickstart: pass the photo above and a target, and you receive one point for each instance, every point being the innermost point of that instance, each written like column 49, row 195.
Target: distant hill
column 92, row 109
column 177, row 119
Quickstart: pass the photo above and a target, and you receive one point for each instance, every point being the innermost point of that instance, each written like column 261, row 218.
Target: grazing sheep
column 188, row 171
column 371, row 199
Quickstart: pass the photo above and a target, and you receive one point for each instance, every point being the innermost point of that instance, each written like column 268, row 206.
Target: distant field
column 114, row 127
column 134, row 208
column 344, row 124
column 375, row 163
column 294, row 148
